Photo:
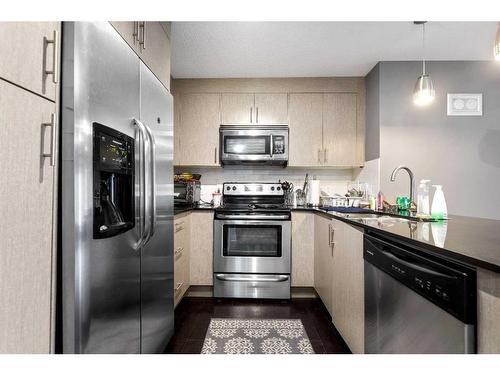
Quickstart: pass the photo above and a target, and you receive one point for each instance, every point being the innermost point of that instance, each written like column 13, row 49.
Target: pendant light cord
column 423, row 49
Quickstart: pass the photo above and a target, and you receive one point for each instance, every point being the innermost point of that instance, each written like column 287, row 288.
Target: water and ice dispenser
column 114, row 208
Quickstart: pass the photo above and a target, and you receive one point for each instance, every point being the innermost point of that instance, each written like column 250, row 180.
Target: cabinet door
column 339, row 130
column 306, row 113
column 323, row 261
column 156, row 51
column 237, row 108
column 348, row 285
column 129, row 31
column 302, row 249
column 201, row 252
column 271, row 109
column 182, row 244
column 26, row 223
column 26, row 56
column 198, row 129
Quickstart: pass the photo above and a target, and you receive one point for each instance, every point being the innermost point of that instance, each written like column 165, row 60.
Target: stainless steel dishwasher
column 415, row 302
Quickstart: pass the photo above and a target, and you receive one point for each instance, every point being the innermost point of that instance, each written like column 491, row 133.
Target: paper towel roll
column 313, row 192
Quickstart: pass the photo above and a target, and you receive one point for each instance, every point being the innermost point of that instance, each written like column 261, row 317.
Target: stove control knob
column 278, row 188
column 272, row 188
column 228, row 188
column 234, row 188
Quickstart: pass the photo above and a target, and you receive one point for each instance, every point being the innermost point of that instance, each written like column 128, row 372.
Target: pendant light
column 423, row 93
column 496, row 47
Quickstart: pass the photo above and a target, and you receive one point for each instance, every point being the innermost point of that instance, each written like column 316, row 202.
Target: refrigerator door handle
column 142, row 185
column 152, row 167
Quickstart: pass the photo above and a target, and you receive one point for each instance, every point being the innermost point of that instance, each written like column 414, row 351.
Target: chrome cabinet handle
column 251, row 113
column 223, row 277
column 215, row 155
column 53, row 134
column 142, row 185
column 325, row 155
column 142, row 41
column 178, row 251
column 329, row 234
column 152, row 150
column 179, row 226
column 55, row 43
column 135, row 34
column 178, row 287
column 257, row 115
column 319, row 156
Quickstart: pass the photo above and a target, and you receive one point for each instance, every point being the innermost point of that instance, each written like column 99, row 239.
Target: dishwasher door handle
column 414, row 266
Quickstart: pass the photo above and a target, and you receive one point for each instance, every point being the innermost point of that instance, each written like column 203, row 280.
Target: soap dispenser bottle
column 439, row 210
column 423, row 202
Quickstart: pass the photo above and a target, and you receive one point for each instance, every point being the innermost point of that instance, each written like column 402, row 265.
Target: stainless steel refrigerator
column 116, row 197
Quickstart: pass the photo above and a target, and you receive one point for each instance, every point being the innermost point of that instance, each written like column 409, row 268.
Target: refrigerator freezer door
column 157, row 264
column 100, row 277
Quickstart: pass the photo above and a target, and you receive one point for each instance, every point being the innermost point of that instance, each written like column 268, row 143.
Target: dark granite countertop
column 470, row 240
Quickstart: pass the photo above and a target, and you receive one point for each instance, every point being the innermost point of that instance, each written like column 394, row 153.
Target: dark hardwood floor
column 192, row 317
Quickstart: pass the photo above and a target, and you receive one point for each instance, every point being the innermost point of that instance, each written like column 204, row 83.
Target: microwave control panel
column 278, row 145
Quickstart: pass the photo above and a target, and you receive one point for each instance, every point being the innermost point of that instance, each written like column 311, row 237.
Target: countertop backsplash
column 332, row 181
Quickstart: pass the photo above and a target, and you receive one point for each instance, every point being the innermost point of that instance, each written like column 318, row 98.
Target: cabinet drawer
column 181, row 280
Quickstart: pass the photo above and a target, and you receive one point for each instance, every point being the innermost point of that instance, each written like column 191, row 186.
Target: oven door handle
column 252, row 217
column 277, row 278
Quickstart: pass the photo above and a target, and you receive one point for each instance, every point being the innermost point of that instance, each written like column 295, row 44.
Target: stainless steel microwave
column 253, row 145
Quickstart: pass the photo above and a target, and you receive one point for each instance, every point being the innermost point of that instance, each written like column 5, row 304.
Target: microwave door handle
column 152, row 167
column 271, row 145
column 142, row 182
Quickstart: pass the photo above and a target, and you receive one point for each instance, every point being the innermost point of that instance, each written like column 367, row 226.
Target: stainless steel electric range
column 252, row 242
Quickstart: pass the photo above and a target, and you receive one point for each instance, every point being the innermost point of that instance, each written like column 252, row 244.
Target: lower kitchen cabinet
column 27, row 221
column 488, row 307
column 348, row 284
column 302, row 249
column 323, row 260
column 201, row 254
column 182, row 245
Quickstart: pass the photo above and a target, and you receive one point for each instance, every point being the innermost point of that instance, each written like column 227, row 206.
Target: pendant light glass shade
column 496, row 48
column 424, row 92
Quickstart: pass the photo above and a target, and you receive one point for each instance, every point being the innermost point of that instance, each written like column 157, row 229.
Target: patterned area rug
column 256, row 336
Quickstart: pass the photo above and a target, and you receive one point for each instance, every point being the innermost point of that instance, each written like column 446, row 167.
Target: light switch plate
column 465, row 104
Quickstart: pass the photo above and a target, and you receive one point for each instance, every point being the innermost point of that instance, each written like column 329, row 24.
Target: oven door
column 252, row 246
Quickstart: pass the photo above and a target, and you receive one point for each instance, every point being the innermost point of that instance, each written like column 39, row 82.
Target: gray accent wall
column 372, row 135
column 462, row 153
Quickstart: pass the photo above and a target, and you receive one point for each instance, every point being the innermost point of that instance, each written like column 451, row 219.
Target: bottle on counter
column 423, row 201
column 380, row 201
column 439, row 210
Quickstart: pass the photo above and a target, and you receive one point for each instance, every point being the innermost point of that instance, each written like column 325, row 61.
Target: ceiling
column 318, row 49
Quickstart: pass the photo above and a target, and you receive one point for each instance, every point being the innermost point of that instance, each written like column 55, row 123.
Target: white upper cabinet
column 237, row 108
column 305, row 141
column 271, row 109
column 30, row 55
column 196, row 129
column 254, row 109
column 340, row 130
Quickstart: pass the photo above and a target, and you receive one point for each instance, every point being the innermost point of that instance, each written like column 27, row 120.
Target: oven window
column 252, row 241
column 247, row 145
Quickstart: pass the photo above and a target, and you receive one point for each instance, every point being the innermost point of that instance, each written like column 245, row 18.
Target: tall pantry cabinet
column 29, row 86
